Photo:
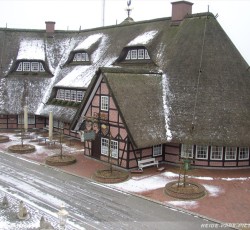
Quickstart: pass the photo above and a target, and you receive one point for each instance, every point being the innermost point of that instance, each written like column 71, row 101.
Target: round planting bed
column 191, row 190
column 60, row 160
column 4, row 138
column 22, row 149
column 105, row 176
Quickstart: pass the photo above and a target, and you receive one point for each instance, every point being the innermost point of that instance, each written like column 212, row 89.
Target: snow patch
column 143, row 39
column 213, row 190
column 88, row 42
column 184, row 204
column 31, row 50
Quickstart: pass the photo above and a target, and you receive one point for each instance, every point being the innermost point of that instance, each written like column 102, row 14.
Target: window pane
column 146, row 55
column 79, row 96
column 128, row 55
column 114, row 148
column 73, row 95
column 104, row 146
column 230, row 153
column 133, row 54
column 157, row 150
column 26, row 66
column 20, row 67
column 243, row 153
column 201, row 152
column 141, row 54
column 41, row 68
column 104, row 103
column 67, row 95
column 62, row 94
column 216, row 153
column 31, row 119
column 35, row 66
column 187, row 151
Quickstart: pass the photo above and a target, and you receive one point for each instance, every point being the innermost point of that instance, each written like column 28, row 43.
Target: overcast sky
column 233, row 15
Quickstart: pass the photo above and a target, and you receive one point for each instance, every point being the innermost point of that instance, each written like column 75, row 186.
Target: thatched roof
column 206, row 78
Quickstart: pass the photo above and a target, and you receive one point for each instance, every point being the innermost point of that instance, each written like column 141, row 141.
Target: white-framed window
column 62, row 94
column 133, row 54
column 128, row 55
column 31, row 119
column 230, row 153
column 186, row 151
column 141, row 53
column 105, row 146
column 243, row 153
column 104, row 103
column 81, row 57
column 67, row 95
column 58, row 124
column 79, row 96
column 73, row 95
column 201, row 152
column 216, row 153
column 35, row 66
column 113, row 147
column 146, row 54
column 42, row 68
column 157, row 150
column 26, row 66
column 20, row 67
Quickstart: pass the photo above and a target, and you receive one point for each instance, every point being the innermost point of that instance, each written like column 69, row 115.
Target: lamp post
column 62, row 216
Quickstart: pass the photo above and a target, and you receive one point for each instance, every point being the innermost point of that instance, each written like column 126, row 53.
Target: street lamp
column 62, row 216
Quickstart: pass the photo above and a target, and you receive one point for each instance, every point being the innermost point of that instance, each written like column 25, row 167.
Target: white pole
column 25, row 118
column 103, row 13
column 50, row 125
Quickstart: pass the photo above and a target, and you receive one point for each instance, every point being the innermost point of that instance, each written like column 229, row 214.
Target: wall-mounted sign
column 87, row 135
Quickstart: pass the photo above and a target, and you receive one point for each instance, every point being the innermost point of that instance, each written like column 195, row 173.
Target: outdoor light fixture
column 62, row 216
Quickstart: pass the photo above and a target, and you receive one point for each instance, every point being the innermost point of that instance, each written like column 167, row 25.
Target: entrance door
column 96, row 147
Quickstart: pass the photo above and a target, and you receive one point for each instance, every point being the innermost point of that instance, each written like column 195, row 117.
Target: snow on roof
column 143, row 39
column 31, row 50
column 75, row 78
column 88, row 42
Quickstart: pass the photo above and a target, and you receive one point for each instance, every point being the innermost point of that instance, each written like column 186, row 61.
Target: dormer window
column 26, row 66
column 81, row 57
column 69, row 95
column 135, row 54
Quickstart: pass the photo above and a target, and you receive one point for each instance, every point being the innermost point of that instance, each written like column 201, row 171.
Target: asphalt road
column 90, row 205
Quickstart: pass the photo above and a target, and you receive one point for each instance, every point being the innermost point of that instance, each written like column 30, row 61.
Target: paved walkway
column 228, row 191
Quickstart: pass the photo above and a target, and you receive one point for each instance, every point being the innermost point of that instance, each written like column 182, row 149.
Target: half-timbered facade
column 168, row 88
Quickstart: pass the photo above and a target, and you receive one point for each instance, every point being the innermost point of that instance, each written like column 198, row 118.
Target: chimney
column 50, row 28
column 180, row 9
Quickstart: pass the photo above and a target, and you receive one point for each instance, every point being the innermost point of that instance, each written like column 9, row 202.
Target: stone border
column 66, row 160
column 123, row 176
column 185, row 195
column 4, row 138
column 22, row 149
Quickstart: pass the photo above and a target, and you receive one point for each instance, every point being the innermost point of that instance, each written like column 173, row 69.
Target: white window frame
column 26, row 66
column 199, row 152
column 79, row 96
column 34, row 66
column 73, row 95
column 157, row 150
column 114, row 149
column 243, row 153
column 141, row 53
column 62, row 94
column 104, row 103
column 187, row 151
column 67, row 95
column 128, row 56
column 146, row 55
column 215, row 152
column 20, row 67
column 230, row 153
column 133, row 54
column 105, row 146
column 42, row 68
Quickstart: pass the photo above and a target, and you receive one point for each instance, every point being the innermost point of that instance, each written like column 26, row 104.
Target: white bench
column 147, row 162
